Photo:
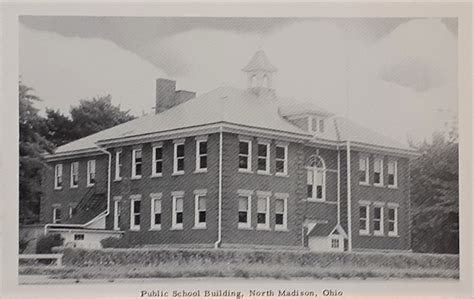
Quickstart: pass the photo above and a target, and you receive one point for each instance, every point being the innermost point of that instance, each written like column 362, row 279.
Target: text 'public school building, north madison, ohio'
column 232, row 168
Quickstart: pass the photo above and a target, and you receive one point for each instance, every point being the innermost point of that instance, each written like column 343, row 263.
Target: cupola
column 260, row 74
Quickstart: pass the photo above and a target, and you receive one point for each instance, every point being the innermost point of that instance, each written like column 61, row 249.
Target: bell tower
column 260, row 74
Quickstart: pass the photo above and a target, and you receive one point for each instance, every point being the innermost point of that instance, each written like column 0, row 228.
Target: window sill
column 75, row 187
column 393, row 235
column 245, row 170
column 199, row 227
column 200, row 171
column 176, row 228
column 364, row 184
column 158, row 227
column 266, row 228
column 88, row 186
column 135, row 229
column 283, row 175
column 133, row 178
column 246, row 227
column 262, row 172
column 118, row 180
column 379, row 185
column 378, row 234
column 177, row 173
column 154, row 176
column 281, row 229
column 392, row 187
column 57, row 189
column 364, row 233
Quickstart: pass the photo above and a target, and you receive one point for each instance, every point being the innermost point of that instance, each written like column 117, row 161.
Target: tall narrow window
column 58, row 176
column 157, row 161
column 135, row 208
column 392, row 174
column 364, row 170
column 244, row 211
column 90, row 173
column 263, row 157
column 117, row 212
column 74, row 174
column 263, row 215
column 313, row 124
column 178, row 206
column 136, row 163
column 316, row 179
column 321, row 125
column 392, row 221
column 178, row 161
column 281, row 160
column 364, row 219
column 378, row 172
column 201, row 155
column 155, row 222
column 281, row 213
column 245, row 155
column 56, row 215
column 378, row 221
column 118, row 165
column 200, row 211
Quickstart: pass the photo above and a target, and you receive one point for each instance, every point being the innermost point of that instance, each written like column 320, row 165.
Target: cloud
column 63, row 70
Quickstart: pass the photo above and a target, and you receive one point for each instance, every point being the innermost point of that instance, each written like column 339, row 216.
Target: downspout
column 219, row 230
column 338, row 186
column 107, row 212
column 349, row 197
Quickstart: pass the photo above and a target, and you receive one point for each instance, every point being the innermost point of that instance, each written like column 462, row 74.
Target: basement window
column 78, row 237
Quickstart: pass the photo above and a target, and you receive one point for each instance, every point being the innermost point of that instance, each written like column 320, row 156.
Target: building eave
column 73, row 154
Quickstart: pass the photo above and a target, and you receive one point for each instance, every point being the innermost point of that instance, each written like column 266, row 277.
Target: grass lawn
column 223, row 269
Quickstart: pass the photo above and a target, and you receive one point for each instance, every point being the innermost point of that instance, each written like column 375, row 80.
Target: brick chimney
column 167, row 96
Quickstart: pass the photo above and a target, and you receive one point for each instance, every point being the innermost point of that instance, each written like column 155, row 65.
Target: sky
column 392, row 75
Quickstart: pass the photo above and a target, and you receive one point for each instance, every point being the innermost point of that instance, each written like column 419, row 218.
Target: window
column 137, row 163
column 334, row 243
column 157, row 160
column 363, row 219
column 177, row 211
column 90, row 173
column 178, row 161
column 321, row 127
column 363, row 170
column 281, row 160
column 200, row 211
column 117, row 212
column 72, row 212
column 201, row 155
column 135, row 212
column 316, row 179
column 118, row 165
column 378, row 172
column 155, row 222
column 58, row 176
column 74, row 174
column 56, row 215
column 281, row 213
column 392, row 221
column 78, row 237
column 378, row 221
column 245, row 155
column 263, row 157
column 263, row 213
column 244, row 211
column 392, row 174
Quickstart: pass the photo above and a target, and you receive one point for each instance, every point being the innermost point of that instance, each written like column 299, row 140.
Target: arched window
column 253, row 81
column 266, row 82
column 316, row 178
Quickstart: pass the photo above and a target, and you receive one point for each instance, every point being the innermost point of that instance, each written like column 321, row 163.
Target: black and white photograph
column 155, row 148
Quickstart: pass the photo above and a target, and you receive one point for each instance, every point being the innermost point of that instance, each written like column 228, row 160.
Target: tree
column 98, row 114
column 31, row 145
column 435, row 198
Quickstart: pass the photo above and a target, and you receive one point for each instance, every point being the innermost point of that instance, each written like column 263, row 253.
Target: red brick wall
column 69, row 196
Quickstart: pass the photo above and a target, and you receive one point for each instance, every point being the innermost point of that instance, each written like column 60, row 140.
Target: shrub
column 47, row 242
column 114, row 242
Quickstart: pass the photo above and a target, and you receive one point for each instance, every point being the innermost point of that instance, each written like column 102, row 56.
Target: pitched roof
column 325, row 230
column 259, row 62
column 233, row 106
